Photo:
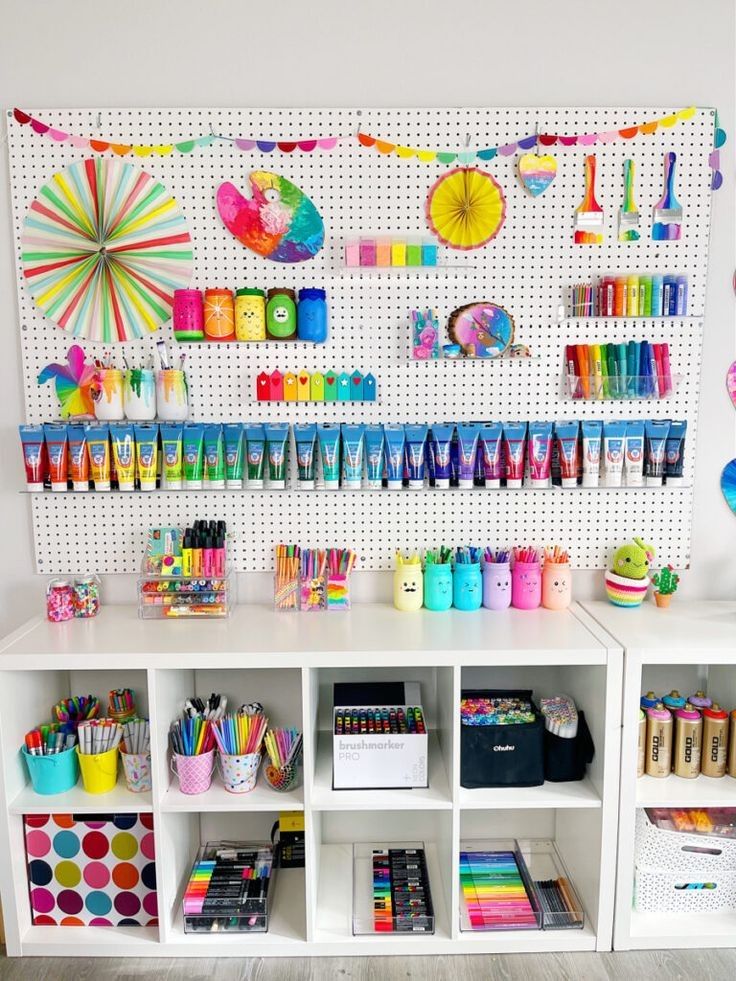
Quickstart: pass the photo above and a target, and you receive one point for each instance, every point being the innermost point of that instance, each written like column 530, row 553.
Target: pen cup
column 239, row 773
column 107, row 393
column 139, row 394
column 338, row 592
column 438, row 586
column 53, row 774
column 526, row 585
column 99, row 770
column 312, row 598
column 408, row 587
column 285, row 593
column 137, row 770
column 282, row 778
column 467, row 586
column 172, row 394
column 194, row 772
column 497, row 585
column 556, row 585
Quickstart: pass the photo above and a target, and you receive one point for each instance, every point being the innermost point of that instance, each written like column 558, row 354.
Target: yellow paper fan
column 466, row 208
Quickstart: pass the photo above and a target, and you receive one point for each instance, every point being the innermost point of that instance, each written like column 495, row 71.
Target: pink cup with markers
column 526, row 585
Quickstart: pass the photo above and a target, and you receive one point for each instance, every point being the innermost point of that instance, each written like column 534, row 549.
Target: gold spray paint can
column 659, row 741
column 715, row 741
column 732, row 746
column 642, row 748
column 688, row 742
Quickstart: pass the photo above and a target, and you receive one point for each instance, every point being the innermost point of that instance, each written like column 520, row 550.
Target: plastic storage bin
column 226, row 907
column 391, row 889
column 496, row 890
column 559, row 903
column 53, row 774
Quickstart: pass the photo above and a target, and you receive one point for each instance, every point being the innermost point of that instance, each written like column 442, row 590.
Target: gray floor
column 702, row 965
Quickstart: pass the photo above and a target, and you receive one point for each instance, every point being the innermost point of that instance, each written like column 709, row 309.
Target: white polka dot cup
column 239, row 773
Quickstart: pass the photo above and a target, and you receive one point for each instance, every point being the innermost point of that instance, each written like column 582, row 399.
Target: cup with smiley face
column 526, row 585
column 467, row 586
column 281, row 315
column 556, row 585
column 438, row 586
column 408, row 587
column 497, row 585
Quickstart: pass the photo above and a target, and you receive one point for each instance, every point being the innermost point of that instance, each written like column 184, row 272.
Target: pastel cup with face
column 408, row 588
column 497, row 585
column 467, row 586
column 526, row 585
column 438, row 587
column 556, row 585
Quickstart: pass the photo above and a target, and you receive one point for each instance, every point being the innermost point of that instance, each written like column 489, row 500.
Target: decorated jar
column 526, row 585
column 312, row 316
column 556, row 585
column 139, row 395
column 172, row 394
column 438, row 586
column 188, row 316
column 250, row 315
column 281, row 315
column 497, row 585
column 107, row 394
column 219, row 315
column 408, row 587
column 467, row 586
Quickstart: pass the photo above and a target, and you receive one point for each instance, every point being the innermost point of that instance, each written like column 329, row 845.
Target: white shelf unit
column 689, row 647
column 290, row 662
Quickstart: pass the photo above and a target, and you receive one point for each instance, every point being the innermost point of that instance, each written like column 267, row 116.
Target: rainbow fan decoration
column 466, row 208
column 104, row 246
column 74, row 381
column 279, row 222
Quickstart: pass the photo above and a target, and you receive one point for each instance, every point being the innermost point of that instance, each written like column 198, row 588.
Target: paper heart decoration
column 330, row 381
column 731, row 383
column 728, row 484
column 536, row 172
column 304, row 379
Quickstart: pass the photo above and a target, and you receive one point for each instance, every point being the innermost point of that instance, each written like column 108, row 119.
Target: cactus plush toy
column 665, row 583
column 633, row 561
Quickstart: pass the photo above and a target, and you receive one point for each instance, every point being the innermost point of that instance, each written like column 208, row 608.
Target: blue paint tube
column 374, row 439
column 277, row 436
column 634, row 461
column 305, row 437
column 468, row 435
column 490, row 450
column 352, row 455
column 592, row 436
column 416, row 438
column 439, row 445
column 393, row 449
column 566, row 434
column 255, row 454
column 655, row 444
column 614, row 447
column 328, row 434
column 674, row 461
column 234, row 457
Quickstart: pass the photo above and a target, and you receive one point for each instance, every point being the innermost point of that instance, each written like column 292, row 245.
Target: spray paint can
column 732, row 746
column 642, row 748
column 688, row 742
column 715, row 741
column 674, row 701
column 658, row 761
column 648, row 701
column 700, row 701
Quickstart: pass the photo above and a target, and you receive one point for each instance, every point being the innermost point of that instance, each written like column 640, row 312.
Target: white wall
column 69, row 53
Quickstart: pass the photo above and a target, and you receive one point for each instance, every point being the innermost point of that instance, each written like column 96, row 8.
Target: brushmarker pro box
column 377, row 760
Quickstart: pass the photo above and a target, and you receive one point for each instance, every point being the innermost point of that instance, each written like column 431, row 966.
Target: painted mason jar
column 438, row 586
column 188, row 316
column 139, row 396
column 172, row 394
column 408, row 587
column 312, row 316
column 281, row 315
column 250, row 315
column 556, row 585
column 219, row 315
column 467, row 586
column 497, row 585
column 107, row 394
column 526, row 585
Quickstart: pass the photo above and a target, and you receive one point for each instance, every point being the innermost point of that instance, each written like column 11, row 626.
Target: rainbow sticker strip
column 494, row 893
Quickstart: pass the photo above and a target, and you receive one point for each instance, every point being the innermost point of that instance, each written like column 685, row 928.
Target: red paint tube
column 514, row 442
column 35, row 456
column 56, row 443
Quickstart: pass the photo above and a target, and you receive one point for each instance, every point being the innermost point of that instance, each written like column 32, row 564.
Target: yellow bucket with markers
column 99, row 770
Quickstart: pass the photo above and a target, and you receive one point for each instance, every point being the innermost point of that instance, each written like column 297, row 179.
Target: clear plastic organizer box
column 377, row 906
column 176, row 597
column 209, row 905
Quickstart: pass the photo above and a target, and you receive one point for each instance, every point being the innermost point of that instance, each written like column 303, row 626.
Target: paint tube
column 78, row 458
column 233, row 435
column 255, row 454
column 305, row 437
column 514, row 440
column 655, row 443
column 172, row 438
column 56, row 434
column 566, row 437
column 328, row 434
column 634, row 461
column 467, row 444
column 540, row 453
column 393, row 450
column 352, row 455
column 374, row 456
column 277, row 433
column 146, row 453
column 439, row 445
column 416, row 439
column 674, row 454
column 614, row 448
column 429, row 460
column 214, row 456
column 122, row 438
column 592, row 433
column 35, row 456
column 490, row 449
column 193, row 443
column 98, row 448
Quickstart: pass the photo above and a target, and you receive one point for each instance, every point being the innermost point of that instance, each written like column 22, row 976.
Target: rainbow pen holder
column 194, row 772
column 408, row 587
column 99, row 770
column 526, row 585
column 467, row 586
column 438, row 586
column 556, row 585
column 497, row 585
column 312, row 594
column 239, row 773
column 53, row 774
column 338, row 592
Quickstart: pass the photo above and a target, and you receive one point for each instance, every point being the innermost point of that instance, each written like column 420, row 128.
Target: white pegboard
column 527, row 269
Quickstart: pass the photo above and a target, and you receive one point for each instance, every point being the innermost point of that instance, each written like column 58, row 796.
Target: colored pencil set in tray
column 507, row 884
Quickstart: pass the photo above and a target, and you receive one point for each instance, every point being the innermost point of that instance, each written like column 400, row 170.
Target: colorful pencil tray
column 617, row 387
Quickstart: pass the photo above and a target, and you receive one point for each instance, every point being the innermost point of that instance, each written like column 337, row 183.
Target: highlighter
column 186, row 554
column 606, row 392
column 582, row 350
column 666, row 373
column 645, row 381
column 613, row 387
column 596, row 371
column 632, row 368
column 573, row 384
column 632, row 296
column 621, row 364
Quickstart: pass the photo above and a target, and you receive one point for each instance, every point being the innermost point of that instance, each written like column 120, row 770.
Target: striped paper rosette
column 104, row 246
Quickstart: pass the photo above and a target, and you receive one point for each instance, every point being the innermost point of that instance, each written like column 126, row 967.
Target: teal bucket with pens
column 53, row 774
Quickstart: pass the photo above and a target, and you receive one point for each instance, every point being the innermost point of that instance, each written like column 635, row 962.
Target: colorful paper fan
column 104, row 247
column 466, row 208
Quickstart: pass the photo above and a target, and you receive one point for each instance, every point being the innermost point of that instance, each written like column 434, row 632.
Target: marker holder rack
column 180, row 597
column 376, row 907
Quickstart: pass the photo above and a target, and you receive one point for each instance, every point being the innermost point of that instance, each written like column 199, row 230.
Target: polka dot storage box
column 91, row 870
column 625, row 592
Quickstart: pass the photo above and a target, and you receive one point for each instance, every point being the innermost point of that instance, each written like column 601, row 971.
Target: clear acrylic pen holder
column 182, row 597
column 338, row 591
column 285, row 592
column 624, row 388
column 312, row 594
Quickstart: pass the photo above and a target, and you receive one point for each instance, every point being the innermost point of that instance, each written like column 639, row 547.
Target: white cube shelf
column 290, row 662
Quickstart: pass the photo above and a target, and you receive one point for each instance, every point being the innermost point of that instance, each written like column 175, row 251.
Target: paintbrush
column 668, row 210
column 628, row 216
column 589, row 217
